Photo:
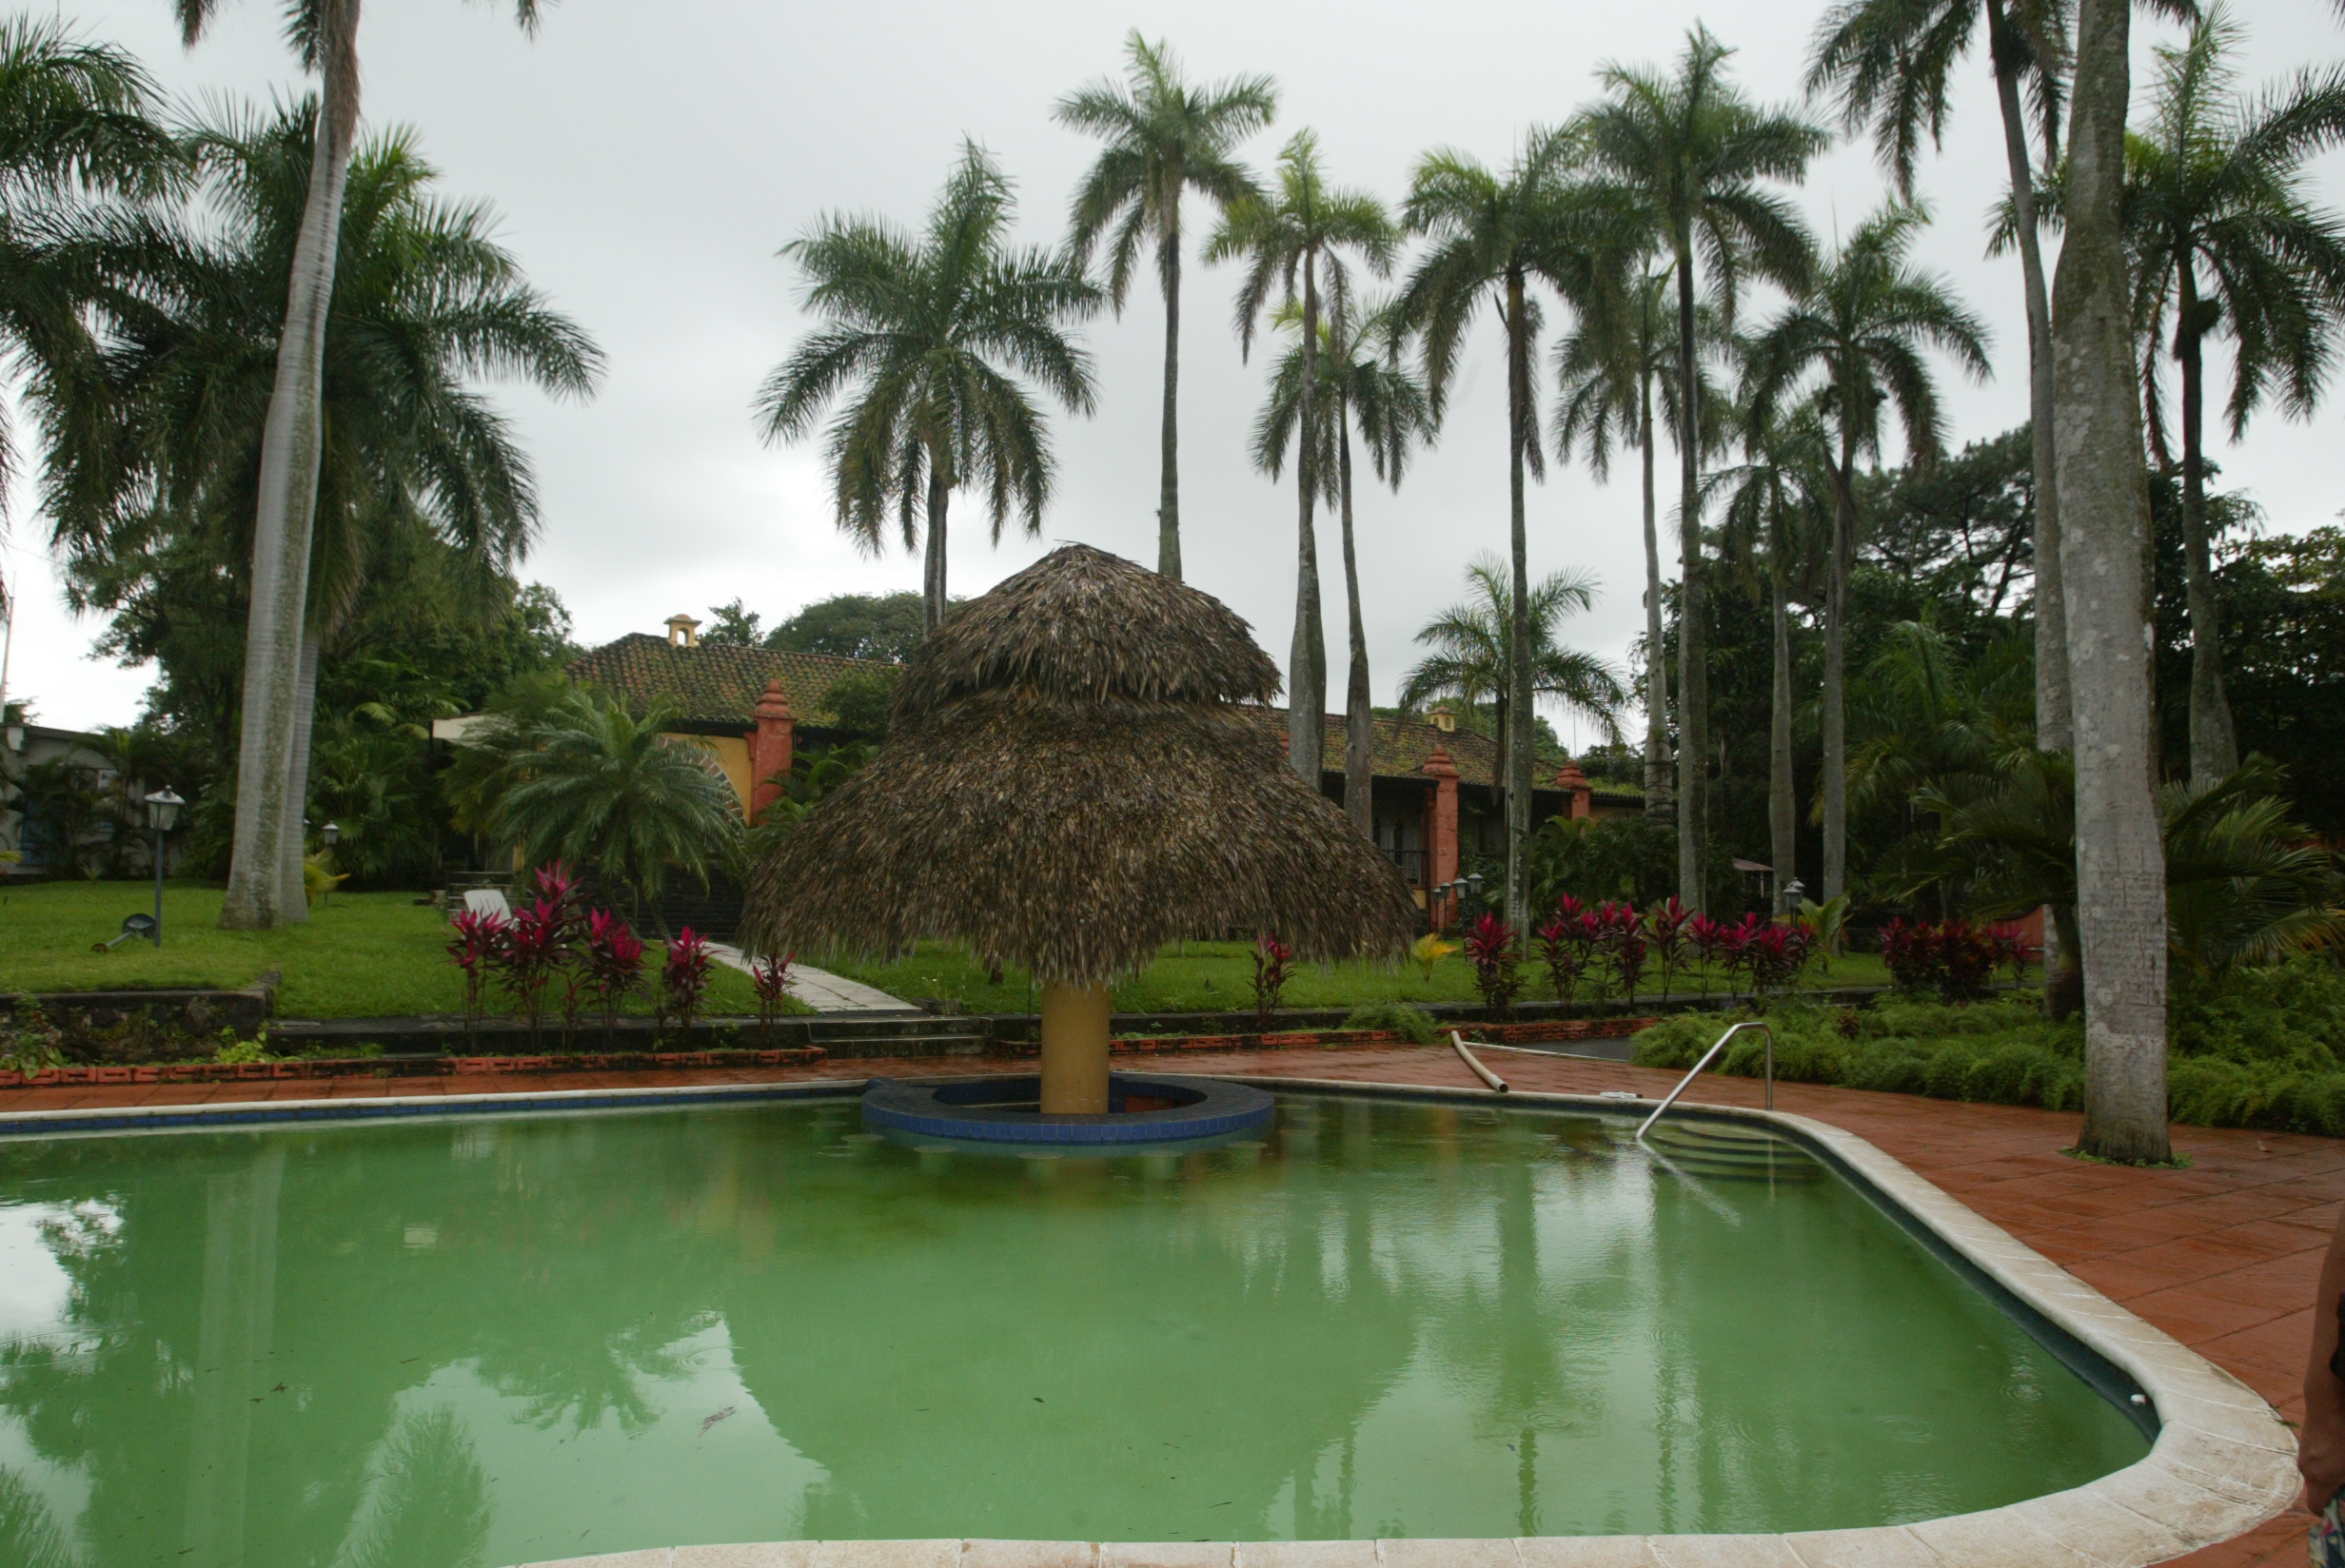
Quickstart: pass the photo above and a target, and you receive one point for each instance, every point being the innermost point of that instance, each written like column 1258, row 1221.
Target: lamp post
column 1795, row 893
column 331, row 832
column 1473, row 892
column 161, row 816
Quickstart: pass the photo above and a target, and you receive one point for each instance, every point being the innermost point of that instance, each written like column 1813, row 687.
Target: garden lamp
column 1795, row 893
column 1473, row 890
column 331, row 832
column 161, row 816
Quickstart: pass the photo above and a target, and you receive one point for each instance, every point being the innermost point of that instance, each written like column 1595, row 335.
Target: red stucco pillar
column 769, row 750
column 1441, row 841
column 1570, row 779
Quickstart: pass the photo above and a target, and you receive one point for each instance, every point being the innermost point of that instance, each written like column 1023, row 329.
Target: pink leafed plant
column 474, row 952
column 684, row 979
column 533, row 948
column 1274, row 967
column 771, row 976
column 611, row 956
column 1563, row 949
column 1664, row 931
column 1491, row 948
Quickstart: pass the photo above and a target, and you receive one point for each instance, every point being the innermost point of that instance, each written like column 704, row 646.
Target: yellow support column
column 1074, row 1051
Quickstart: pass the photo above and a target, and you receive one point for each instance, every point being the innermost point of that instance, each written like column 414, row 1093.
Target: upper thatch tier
column 1077, row 809
column 1080, row 626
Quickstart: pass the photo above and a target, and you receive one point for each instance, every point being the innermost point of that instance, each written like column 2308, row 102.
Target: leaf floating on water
column 712, row 1420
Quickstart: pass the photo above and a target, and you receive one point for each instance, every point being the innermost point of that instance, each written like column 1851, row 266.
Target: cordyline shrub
column 683, row 979
column 1274, row 967
column 1490, row 947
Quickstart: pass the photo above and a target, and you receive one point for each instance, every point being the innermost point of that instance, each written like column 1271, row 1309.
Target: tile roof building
column 1436, row 799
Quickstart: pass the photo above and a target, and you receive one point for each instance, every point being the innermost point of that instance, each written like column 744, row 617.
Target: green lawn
column 359, row 955
column 1219, row 976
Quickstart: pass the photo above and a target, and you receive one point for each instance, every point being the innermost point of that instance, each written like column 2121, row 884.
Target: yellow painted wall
column 732, row 753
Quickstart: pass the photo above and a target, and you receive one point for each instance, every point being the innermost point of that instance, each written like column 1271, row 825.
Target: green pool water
column 480, row 1342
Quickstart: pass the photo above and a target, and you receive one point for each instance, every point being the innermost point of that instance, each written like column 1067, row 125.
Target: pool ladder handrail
column 1707, row 1057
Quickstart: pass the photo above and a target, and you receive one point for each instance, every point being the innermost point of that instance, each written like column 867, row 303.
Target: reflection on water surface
column 473, row 1343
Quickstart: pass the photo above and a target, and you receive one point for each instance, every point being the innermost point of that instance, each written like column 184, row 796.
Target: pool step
column 1716, row 1153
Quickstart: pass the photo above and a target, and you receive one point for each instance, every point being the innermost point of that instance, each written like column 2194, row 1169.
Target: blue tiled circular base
column 1002, row 1111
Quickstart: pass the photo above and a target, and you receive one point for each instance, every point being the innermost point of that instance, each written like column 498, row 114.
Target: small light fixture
column 331, row 832
column 163, row 810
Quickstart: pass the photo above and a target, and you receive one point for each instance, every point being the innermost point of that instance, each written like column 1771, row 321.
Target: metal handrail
column 1707, row 1057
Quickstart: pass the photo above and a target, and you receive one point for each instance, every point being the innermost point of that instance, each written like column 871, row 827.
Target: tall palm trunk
column 294, row 846
column 1660, row 798
column 2054, row 726
column 1782, row 795
column 290, row 444
column 932, row 562
column 2105, row 512
column 1168, row 479
column 1693, row 684
column 2214, row 745
column 1359, row 718
column 1306, row 658
column 1519, row 636
column 1836, row 672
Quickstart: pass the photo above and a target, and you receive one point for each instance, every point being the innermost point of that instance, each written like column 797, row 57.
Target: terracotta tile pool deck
column 2224, row 1255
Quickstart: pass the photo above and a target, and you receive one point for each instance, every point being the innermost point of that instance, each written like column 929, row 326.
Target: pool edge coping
column 2222, row 1462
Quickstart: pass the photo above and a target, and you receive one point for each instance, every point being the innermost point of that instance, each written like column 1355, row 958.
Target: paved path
column 820, row 988
column 2224, row 1256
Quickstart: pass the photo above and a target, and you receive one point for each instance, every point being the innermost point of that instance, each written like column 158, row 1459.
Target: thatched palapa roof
column 1070, row 782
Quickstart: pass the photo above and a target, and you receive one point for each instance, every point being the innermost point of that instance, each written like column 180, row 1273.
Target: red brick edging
column 366, row 1066
column 1538, row 1030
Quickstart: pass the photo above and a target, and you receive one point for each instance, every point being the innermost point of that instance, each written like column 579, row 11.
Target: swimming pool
column 498, row 1340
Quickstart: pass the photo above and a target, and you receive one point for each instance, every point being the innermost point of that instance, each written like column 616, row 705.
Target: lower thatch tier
column 1077, row 840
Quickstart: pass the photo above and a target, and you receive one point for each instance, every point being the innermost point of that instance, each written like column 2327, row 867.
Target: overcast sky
column 649, row 159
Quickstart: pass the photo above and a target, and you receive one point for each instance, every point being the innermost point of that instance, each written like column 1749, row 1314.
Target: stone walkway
column 820, row 988
column 2224, row 1256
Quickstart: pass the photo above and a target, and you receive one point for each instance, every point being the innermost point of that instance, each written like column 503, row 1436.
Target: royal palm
column 2225, row 245
column 1853, row 342
column 1472, row 652
column 325, row 32
column 1164, row 139
column 1492, row 238
column 425, row 303
column 1294, row 241
column 1696, row 155
column 1363, row 388
column 1892, row 64
column 927, row 340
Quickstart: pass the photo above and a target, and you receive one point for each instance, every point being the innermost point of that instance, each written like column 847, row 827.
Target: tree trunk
column 2054, row 727
column 1519, row 634
column 1693, row 685
column 1836, row 673
column 932, row 562
column 1359, row 716
column 2214, row 747
column 1306, row 658
column 290, row 443
column 294, row 850
column 2105, row 515
column 1782, row 795
column 1660, row 798
column 1169, row 481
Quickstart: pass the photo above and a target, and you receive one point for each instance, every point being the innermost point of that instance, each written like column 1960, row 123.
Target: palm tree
column 2215, row 202
column 1607, row 367
column 424, row 301
column 932, row 334
column 594, row 784
column 1164, row 139
column 2104, row 505
column 1473, row 661
column 1694, row 153
column 1492, row 236
column 77, row 124
column 1892, row 63
column 1287, row 240
column 1854, row 339
column 1363, row 385
column 324, row 34
column 1776, row 524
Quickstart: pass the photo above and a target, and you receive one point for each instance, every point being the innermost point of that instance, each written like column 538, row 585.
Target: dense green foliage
column 2265, row 1050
